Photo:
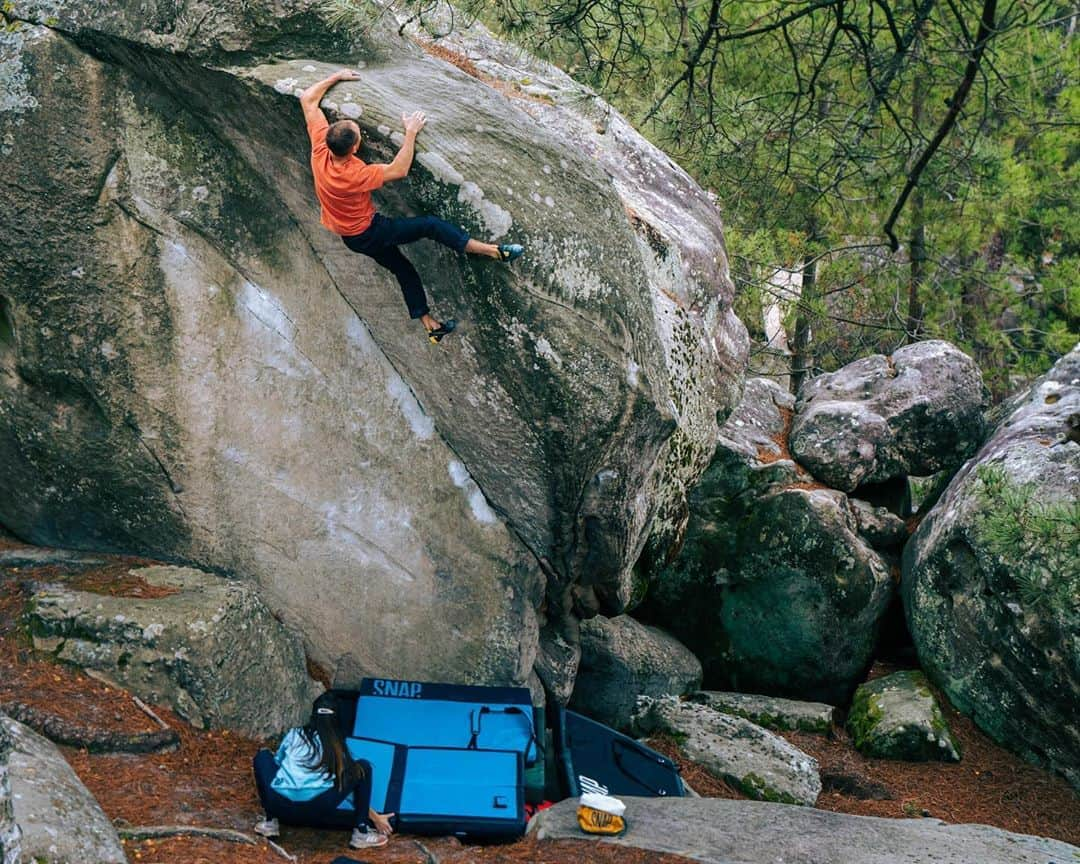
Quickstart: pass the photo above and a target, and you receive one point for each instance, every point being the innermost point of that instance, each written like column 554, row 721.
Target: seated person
column 312, row 775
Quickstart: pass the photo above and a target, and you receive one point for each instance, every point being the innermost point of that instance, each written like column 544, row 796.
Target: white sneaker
column 367, row 839
column 268, row 828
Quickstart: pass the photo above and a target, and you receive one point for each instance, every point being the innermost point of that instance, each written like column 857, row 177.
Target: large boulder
column 776, row 588
column 760, row 764
column 60, row 821
column 621, row 660
column 991, row 578
column 10, row 834
column 192, row 368
column 789, row 605
column 209, row 648
column 916, row 412
column 715, row 831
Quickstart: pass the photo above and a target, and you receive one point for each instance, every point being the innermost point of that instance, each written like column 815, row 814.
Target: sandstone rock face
column 10, row 835
column 621, row 660
column 716, row 831
column 770, row 712
column 680, row 243
column 776, row 588
column 748, row 459
column 684, row 589
column 762, row 765
column 191, row 367
column 212, row 651
column 991, row 578
column 915, row 412
column 60, row 820
column 897, row 717
column 793, row 605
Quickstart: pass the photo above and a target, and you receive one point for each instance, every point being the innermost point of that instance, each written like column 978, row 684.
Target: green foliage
column 864, row 716
column 1036, row 541
column 807, row 141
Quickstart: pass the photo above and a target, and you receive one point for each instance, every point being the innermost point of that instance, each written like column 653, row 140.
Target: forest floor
column 207, row 782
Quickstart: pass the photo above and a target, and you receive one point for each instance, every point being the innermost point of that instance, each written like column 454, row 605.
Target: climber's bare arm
column 403, row 161
column 310, row 98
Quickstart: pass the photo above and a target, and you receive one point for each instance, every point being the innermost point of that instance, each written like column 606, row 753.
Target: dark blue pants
column 318, row 812
column 382, row 239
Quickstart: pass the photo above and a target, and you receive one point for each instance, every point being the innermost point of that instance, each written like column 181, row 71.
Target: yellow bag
column 601, row 814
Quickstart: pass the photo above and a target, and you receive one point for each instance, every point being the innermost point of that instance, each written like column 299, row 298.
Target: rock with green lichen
column 58, row 819
column 191, row 367
column 897, row 717
column 762, row 765
column 622, row 659
column 789, row 603
column 211, row 650
column 771, row 712
column 748, row 460
column 991, row 578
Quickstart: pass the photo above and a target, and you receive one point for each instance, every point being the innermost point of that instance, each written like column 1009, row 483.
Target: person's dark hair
column 323, row 736
column 341, row 137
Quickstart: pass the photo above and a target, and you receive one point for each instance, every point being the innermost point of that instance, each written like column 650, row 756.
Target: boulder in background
column 916, row 412
column 991, row 578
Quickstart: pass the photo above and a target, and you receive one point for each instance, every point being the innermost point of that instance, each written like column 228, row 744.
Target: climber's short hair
column 341, row 137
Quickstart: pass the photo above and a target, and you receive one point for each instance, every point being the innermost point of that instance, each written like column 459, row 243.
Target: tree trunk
column 918, row 227
column 802, row 360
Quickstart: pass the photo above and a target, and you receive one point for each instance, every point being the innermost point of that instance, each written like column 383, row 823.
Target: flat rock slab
column 61, row 822
column 753, row 832
column 762, row 765
column 771, row 712
column 211, row 650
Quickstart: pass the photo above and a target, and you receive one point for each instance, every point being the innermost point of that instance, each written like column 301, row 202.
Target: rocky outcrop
column 792, row 609
column 770, row 712
column 760, row 764
column 210, row 649
column 897, row 717
column 716, row 831
column 10, row 835
column 191, row 367
column 60, row 821
column 880, row 528
column 915, row 412
column 750, row 457
column 622, row 660
column 769, row 551
column 991, row 578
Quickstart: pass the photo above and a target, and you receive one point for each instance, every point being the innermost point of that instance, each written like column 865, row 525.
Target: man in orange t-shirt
column 343, row 184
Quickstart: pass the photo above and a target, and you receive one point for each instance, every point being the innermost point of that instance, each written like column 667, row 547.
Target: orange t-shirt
column 344, row 190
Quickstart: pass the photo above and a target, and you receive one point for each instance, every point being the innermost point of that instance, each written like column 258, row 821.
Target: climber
column 343, row 184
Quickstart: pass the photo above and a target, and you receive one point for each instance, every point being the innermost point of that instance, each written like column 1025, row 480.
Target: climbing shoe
column 445, row 329
column 510, row 251
column 601, row 814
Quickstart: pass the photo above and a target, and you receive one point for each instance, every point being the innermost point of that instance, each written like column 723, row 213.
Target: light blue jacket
column 295, row 779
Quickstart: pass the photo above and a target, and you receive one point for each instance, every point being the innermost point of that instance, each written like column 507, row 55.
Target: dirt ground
column 206, row 781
